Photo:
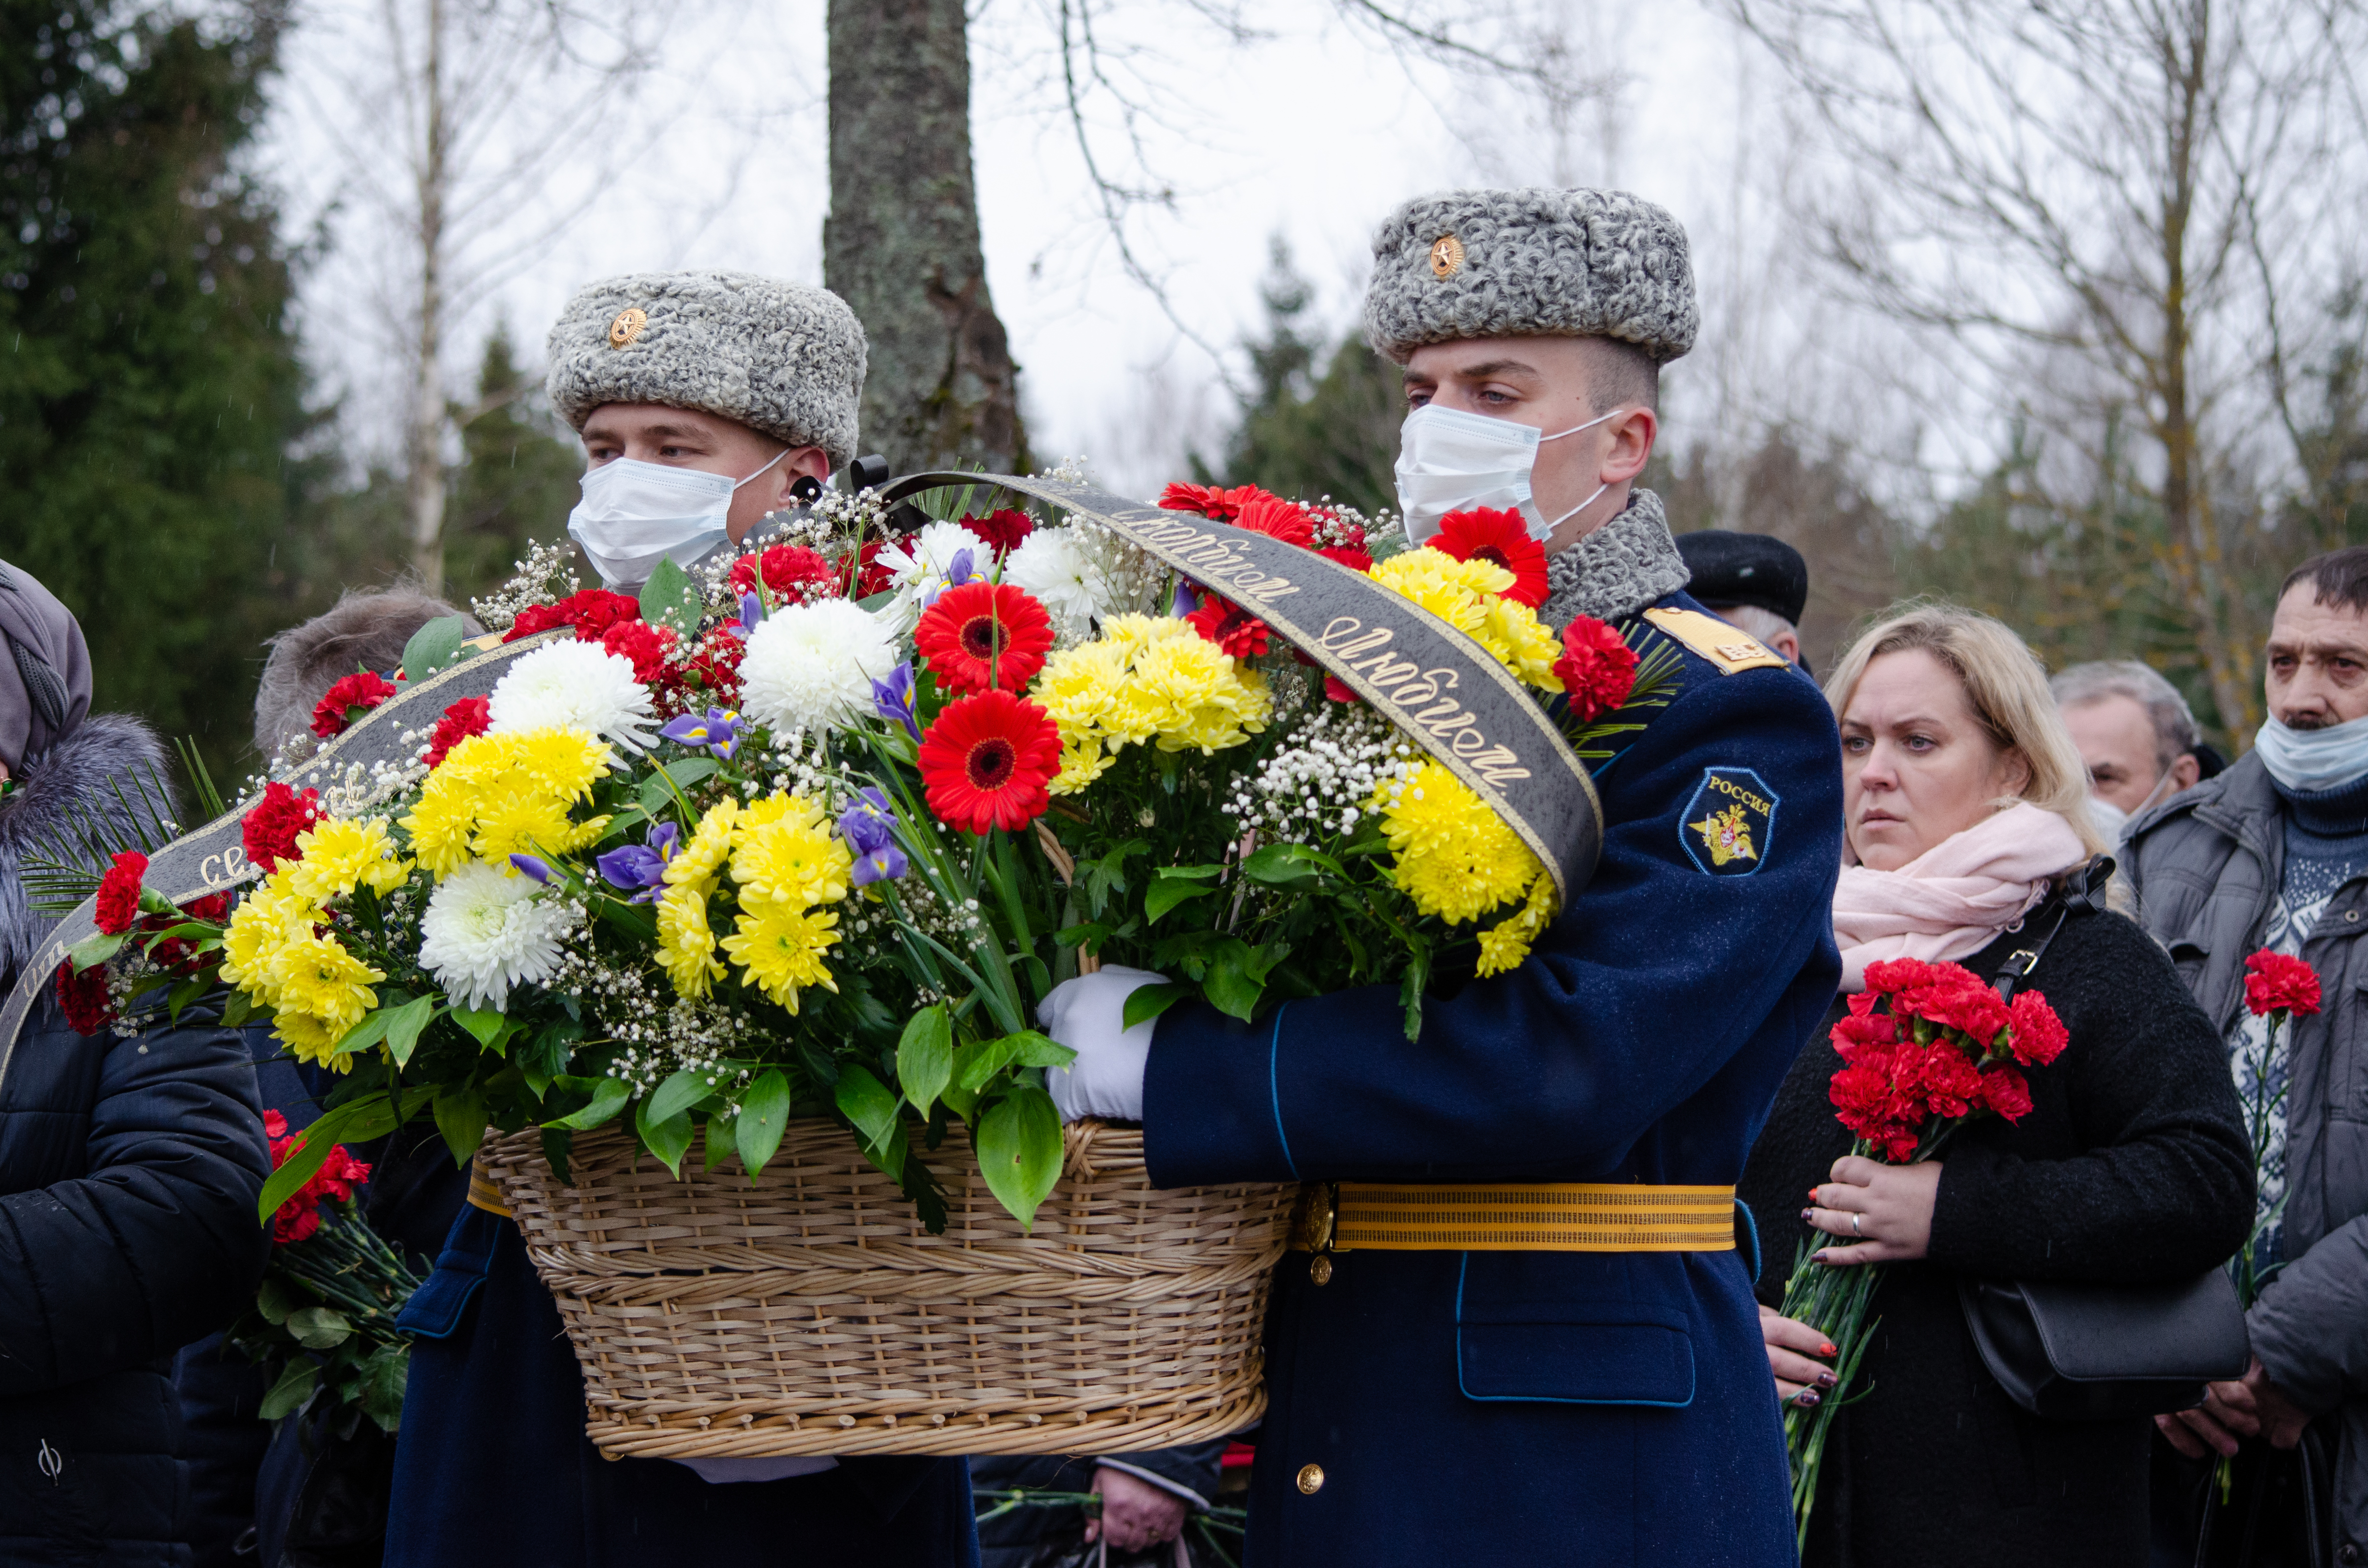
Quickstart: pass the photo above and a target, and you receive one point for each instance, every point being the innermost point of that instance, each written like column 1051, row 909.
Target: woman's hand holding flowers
column 1884, row 1211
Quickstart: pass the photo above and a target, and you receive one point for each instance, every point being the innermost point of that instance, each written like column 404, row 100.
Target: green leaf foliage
column 1019, row 1146
column 320, row 1328
column 1145, row 1003
column 670, row 599
column 461, row 1118
column 668, row 1140
column 764, row 1116
column 925, row 1057
column 607, row 1099
column 433, row 647
column 294, row 1389
column 866, row 1103
column 676, row 1094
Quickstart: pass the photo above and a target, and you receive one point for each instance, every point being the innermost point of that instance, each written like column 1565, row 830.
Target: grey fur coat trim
column 1618, row 569
column 73, row 782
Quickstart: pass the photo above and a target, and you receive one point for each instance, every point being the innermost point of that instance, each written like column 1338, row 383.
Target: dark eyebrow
column 1491, row 367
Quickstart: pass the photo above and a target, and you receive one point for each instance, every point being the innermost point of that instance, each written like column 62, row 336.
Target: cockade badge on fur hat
column 1530, row 263
column 784, row 359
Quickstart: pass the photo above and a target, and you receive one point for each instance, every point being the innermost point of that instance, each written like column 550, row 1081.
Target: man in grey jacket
column 2273, row 853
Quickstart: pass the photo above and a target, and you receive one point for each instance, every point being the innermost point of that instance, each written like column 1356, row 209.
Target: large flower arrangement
column 813, row 836
column 1926, row 1048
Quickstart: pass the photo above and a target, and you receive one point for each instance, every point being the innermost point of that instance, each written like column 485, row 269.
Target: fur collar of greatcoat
column 70, row 785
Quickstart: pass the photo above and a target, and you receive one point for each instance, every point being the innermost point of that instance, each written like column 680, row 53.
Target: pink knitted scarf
column 1954, row 898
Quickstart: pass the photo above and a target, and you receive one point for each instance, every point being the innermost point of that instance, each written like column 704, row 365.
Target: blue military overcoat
column 493, row 1466
column 1603, row 1408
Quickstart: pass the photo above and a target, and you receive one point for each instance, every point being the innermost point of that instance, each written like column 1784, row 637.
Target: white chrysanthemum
column 922, row 563
column 485, row 930
column 811, row 666
column 1068, row 575
column 574, row 685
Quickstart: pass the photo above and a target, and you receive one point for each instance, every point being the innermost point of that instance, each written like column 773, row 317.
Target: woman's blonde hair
column 2006, row 687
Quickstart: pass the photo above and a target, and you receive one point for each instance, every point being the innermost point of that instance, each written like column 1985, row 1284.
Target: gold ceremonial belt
column 1352, row 1216
column 483, row 1193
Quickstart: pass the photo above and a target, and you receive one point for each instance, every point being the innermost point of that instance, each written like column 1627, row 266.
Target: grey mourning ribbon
column 212, row 859
column 1440, row 686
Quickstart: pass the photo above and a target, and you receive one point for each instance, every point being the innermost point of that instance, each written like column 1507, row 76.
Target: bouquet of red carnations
column 1927, row 1048
column 323, row 1322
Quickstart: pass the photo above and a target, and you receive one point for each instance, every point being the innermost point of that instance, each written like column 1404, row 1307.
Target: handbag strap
column 2082, row 889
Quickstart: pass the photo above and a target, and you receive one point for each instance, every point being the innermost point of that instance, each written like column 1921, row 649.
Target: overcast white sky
column 1313, row 132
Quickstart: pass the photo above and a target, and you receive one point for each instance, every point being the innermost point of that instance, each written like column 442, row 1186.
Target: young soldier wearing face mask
column 1598, row 1395
column 706, row 400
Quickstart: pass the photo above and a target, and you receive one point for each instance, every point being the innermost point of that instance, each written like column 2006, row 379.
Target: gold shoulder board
column 1731, row 648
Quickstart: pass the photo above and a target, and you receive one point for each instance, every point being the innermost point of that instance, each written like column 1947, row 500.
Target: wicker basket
column 809, row 1313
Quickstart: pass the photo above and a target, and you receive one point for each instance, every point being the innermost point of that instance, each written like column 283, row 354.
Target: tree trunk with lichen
column 902, row 246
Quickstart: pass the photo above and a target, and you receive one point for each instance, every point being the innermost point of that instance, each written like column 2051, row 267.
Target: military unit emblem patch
column 1729, row 824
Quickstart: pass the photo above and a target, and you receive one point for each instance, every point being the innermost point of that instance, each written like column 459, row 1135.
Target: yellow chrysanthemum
column 1082, row 762
column 782, row 948
column 1455, row 857
column 1467, row 595
column 338, row 855
column 267, row 919
column 309, row 1039
column 1504, row 945
column 784, row 854
column 503, row 794
column 316, row 976
column 686, row 942
column 1079, row 685
column 710, row 846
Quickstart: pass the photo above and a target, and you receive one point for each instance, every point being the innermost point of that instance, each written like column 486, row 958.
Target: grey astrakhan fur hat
column 783, row 358
column 1530, row 263
column 361, row 631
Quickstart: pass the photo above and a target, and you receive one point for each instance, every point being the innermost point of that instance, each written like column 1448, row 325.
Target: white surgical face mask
column 1450, row 462
column 636, row 513
column 2112, row 822
column 2314, row 760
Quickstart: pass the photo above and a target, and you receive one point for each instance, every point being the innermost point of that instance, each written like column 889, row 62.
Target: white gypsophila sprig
column 544, row 575
column 811, row 666
column 573, row 686
column 1322, row 778
column 486, row 930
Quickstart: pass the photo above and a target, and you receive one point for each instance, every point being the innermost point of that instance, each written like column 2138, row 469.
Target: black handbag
column 2070, row 1351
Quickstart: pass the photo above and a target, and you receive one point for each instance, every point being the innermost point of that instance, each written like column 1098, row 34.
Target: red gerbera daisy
column 1285, row 520
column 1355, row 557
column 1230, row 627
column 469, row 716
column 986, row 760
column 1003, row 528
column 1211, row 501
column 1482, row 534
column 983, row 636
column 790, row 573
column 348, row 701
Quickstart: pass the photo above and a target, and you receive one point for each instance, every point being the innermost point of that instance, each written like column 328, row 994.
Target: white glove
column 1085, row 1014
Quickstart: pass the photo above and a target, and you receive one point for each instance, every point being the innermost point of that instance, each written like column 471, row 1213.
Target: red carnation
column 469, row 716
column 1230, row 627
column 983, row 636
column 2280, row 985
column 1503, row 538
column 2038, row 1036
column 1355, row 557
column 591, row 612
column 1861, row 1026
column 790, row 573
column 268, row 830
column 1597, row 668
column 1339, row 690
column 871, row 576
column 1277, row 518
column 82, row 997
column 986, row 760
column 1888, row 975
column 714, row 667
column 1211, row 501
column 1968, row 1007
column 339, row 1174
column 1947, row 1081
column 647, row 646
column 1002, row 530
column 348, row 701
column 118, row 893
column 2004, row 1091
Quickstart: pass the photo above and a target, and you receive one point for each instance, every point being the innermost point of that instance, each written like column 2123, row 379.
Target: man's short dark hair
column 2338, row 579
column 1623, row 376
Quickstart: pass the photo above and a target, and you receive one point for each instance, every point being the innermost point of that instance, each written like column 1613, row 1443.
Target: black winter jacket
column 2133, row 1165
column 129, row 1174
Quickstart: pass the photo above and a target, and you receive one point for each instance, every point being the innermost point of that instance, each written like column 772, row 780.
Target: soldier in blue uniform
column 708, row 398
column 1601, row 1396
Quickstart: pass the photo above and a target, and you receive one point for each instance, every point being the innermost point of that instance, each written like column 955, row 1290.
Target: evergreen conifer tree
column 150, row 388
column 518, row 480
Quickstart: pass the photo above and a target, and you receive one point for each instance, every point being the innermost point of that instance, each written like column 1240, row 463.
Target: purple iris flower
column 893, row 699
column 641, row 865
column 530, row 866
column 884, row 864
column 719, row 732
column 1186, row 603
column 868, row 826
column 962, row 569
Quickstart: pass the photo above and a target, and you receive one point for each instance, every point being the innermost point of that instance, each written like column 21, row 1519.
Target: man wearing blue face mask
column 1445, row 1390
column 706, row 400
column 2273, row 853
